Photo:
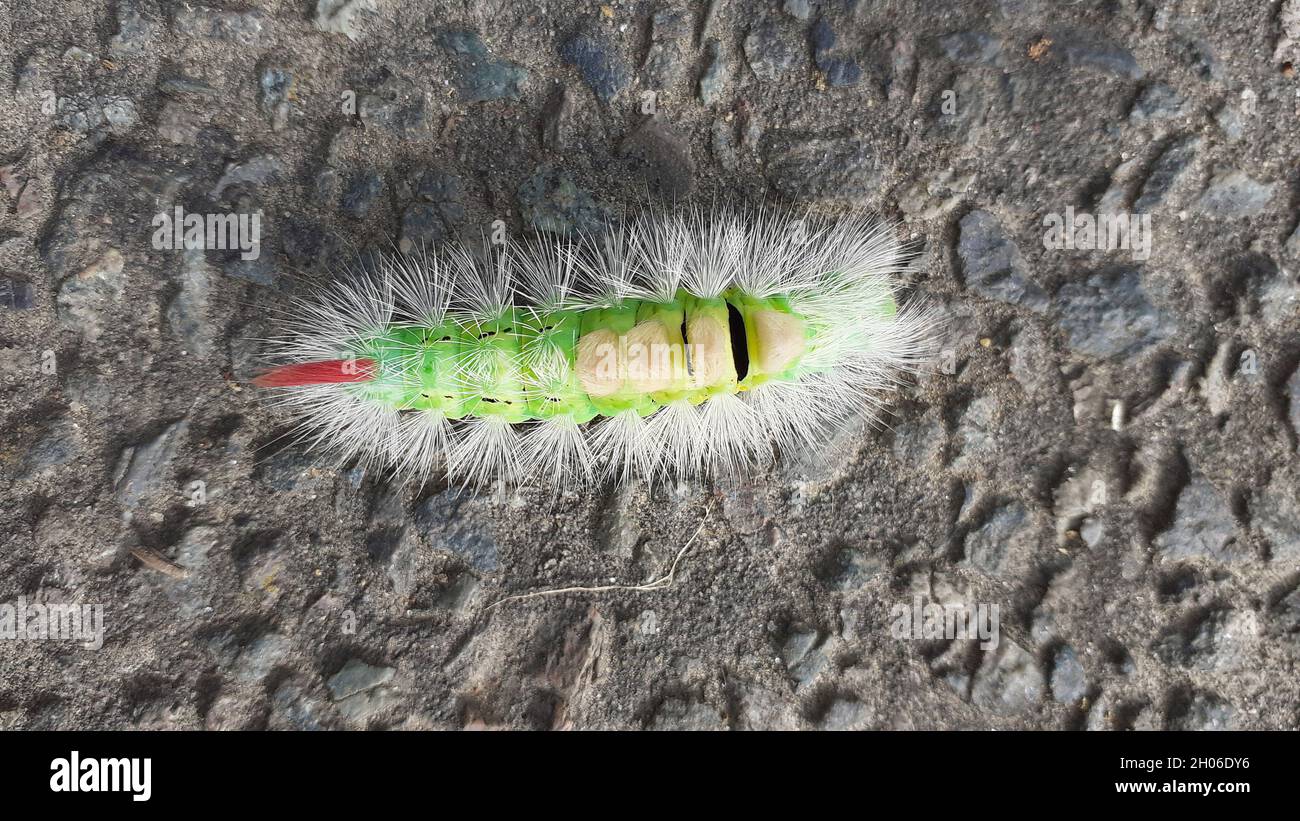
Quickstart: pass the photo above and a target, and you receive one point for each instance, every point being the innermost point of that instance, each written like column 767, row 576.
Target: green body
column 522, row 365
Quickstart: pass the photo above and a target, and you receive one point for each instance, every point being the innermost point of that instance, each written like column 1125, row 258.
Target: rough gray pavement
column 1105, row 448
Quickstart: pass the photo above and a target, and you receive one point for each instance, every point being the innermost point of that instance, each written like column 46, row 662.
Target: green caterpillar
column 675, row 345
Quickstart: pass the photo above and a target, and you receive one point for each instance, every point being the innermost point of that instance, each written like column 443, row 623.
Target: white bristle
column 422, row 287
column 607, row 268
column 621, row 444
column 487, row 451
column 556, row 453
column 420, row 446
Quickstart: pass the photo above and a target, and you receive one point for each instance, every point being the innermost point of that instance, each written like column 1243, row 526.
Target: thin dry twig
column 153, row 561
column 663, row 582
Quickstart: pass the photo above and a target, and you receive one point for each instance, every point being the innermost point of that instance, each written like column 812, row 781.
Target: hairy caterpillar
column 687, row 345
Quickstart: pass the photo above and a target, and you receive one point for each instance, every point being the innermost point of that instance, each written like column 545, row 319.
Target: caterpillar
column 697, row 344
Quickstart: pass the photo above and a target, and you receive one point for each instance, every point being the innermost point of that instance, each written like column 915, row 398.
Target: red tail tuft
column 329, row 372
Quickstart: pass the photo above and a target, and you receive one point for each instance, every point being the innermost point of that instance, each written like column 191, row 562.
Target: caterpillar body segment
column 690, row 345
